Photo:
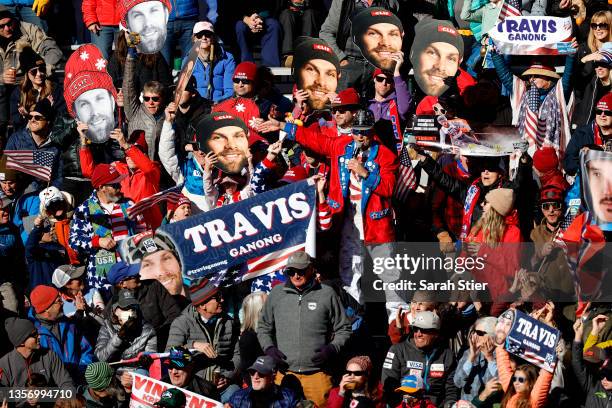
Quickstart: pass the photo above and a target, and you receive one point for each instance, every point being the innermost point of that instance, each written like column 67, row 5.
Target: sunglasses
column 3, row 26
column 516, row 378
column 603, row 112
column 253, row 372
column 292, row 271
column 480, row 333
column 357, row 373
column 381, row 79
column 606, row 375
column 205, row 33
column 599, row 26
column 151, row 98
column 423, row 331
column 37, row 70
column 440, row 110
column 364, row 132
column 243, row 81
column 36, row 118
column 340, row 110
column 552, row 205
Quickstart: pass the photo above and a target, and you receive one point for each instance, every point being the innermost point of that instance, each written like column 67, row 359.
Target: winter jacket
column 72, row 347
column 11, row 254
column 102, row 12
column 110, row 347
column 534, row 7
column 584, row 135
column 483, row 16
column 436, row 367
column 27, row 205
column 139, row 184
column 190, row 327
column 298, row 323
column 15, row 369
column 183, row 168
column 89, row 224
column 589, row 382
column 184, row 10
column 158, row 71
column 41, row 44
column 402, row 98
column 335, row 400
column 221, row 86
column 43, row 258
column 447, row 211
column 539, row 392
column 377, row 188
column 280, row 397
column 139, row 118
column 65, row 135
column 22, row 140
column 584, row 71
column 471, row 377
column 585, row 103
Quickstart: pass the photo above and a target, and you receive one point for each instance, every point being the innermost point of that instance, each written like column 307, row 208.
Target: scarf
column 548, row 115
column 471, row 199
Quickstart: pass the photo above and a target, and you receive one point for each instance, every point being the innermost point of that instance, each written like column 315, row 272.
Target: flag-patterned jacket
column 89, row 224
column 377, row 189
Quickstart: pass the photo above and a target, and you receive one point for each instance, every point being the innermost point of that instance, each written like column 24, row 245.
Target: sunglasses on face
column 205, row 33
column 381, row 79
column 480, row 333
column 363, row 132
column 243, row 81
column 358, row 373
column 606, row 375
column 521, row 380
column 599, row 26
column 3, row 26
column 292, row 271
column 151, row 98
column 253, row 372
column 36, row 118
column 423, row 331
column 36, row 71
column 603, row 112
column 551, row 206
column 339, row 110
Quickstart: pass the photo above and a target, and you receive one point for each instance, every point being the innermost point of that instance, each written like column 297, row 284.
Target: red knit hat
column 42, row 297
column 173, row 205
column 347, row 97
column 545, row 159
column 85, row 70
column 104, row 174
column 246, row 70
column 245, row 109
column 605, row 103
column 123, row 6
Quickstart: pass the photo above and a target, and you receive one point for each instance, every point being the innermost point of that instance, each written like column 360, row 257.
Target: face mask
column 125, row 315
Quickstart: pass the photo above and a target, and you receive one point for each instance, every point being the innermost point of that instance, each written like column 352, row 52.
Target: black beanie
column 308, row 48
column 370, row 16
column 18, row 330
column 428, row 31
column 214, row 121
column 28, row 59
column 44, row 108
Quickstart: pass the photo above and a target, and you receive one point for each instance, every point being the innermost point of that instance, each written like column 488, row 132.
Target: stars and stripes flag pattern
column 171, row 194
column 406, row 177
column 36, row 163
column 510, row 8
column 535, row 129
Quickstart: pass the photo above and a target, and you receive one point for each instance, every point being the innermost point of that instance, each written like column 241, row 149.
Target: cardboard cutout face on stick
column 89, row 92
column 379, row 35
column 436, row 54
column 316, row 70
column 596, row 168
column 147, row 19
column 228, row 137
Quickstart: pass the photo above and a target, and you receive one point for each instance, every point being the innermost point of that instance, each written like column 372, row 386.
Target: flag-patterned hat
column 85, row 70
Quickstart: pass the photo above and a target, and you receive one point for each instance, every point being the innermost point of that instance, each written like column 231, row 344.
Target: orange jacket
column 62, row 231
column 139, row 184
column 539, row 392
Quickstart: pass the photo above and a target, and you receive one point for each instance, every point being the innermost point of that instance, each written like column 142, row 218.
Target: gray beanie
column 18, row 330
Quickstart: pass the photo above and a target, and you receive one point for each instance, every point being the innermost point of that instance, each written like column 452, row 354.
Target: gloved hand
column 145, row 361
column 279, row 357
column 323, row 354
column 40, row 7
column 126, row 331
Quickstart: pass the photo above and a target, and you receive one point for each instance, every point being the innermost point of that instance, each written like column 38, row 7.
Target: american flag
column 406, row 177
column 36, row 163
column 510, row 8
column 535, row 129
column 274, row 261
column 171, row 194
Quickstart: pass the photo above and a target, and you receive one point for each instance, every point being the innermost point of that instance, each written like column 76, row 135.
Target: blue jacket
column 192, row 172
column 184, row 10
column 11, row 3
column 22, row 140
column 11, row 253
column 584, row 135
column 222, row 86
column 27, row 205
column 72, row 347
column 283, row 398
column 42, row 259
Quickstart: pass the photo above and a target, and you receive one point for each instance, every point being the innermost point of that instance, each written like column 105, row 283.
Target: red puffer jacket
column 103, row 12
column 377, row 188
